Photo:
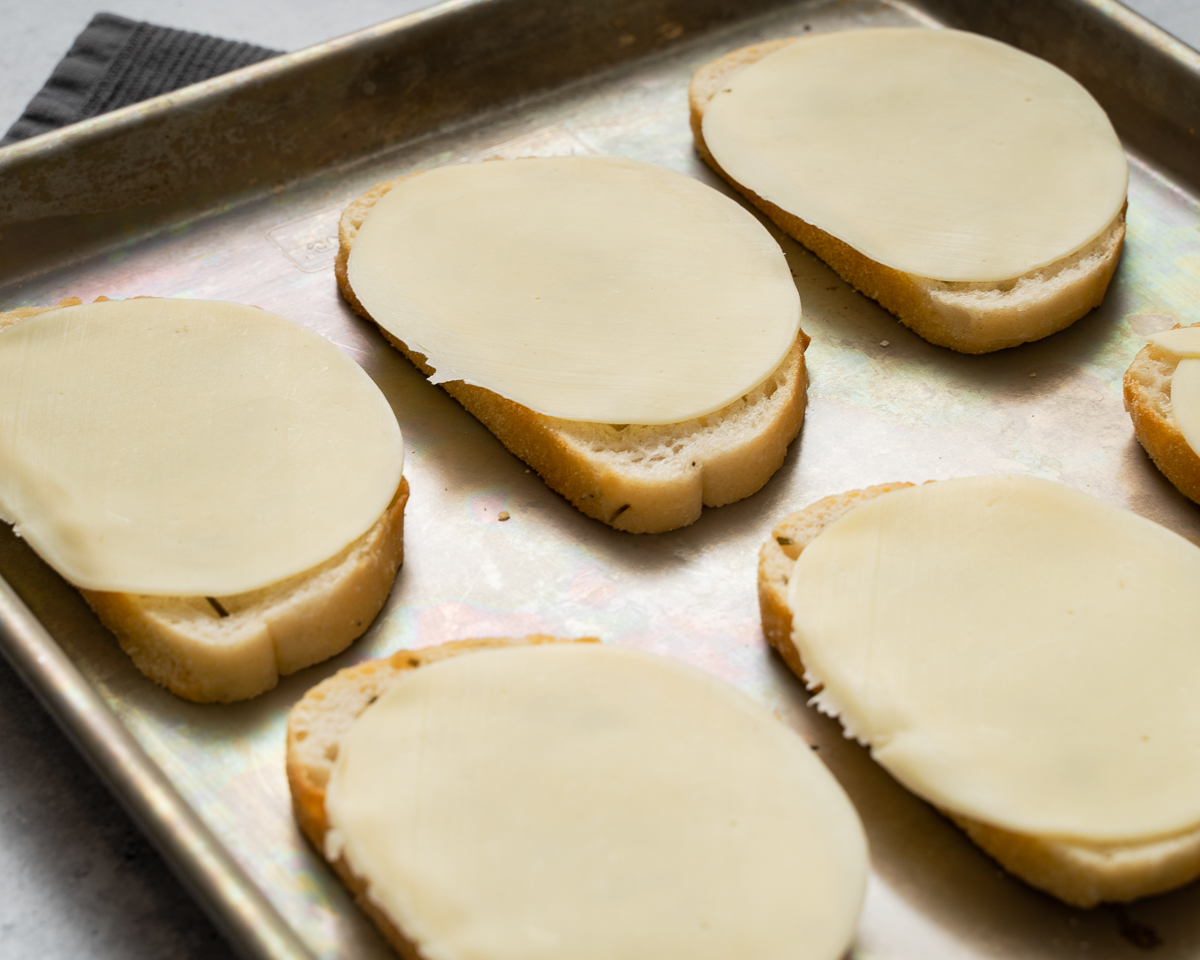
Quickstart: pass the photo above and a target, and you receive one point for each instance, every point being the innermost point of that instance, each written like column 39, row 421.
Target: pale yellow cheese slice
column 1184, row 343
column 587, row 288
column 592, row 802
column 187, row 448
column 1014, row 651
column 1180, row 342
column 935, row 152
column 1185, row 400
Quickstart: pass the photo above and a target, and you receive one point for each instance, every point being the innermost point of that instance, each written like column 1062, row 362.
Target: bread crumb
column 503, row 515
column 884, row 343
column 1033, row 374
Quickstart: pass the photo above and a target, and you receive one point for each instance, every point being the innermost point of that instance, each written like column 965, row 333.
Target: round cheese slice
column 938, row 153
column 1013, row 651
column 586, row 288
column 1179, row 342
column 1185, row 400
column 1184, row 343
column 573, row 800
column 187, row 448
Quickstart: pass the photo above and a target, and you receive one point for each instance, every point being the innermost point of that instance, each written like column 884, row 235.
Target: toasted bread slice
column 1081, row 874
column 1148, row 400
column 222, row 649
column 964, row 316
column 636, row 478
column 323, row 717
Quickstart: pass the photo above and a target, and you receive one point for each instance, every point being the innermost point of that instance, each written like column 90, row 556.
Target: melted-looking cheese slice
column 1014, row 651
column 187, row 448
column 587, row 288
column 1184, row 343
column 935, row 152
column 592, row 802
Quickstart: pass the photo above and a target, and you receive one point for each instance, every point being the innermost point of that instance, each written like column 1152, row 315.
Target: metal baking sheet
column 231, row 190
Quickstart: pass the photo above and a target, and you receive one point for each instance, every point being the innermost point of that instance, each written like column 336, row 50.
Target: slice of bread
column 964, row 316
column 1148, row 400
column 323, row 717
column 223, row 649
column 1081, row 874
column 636, row 478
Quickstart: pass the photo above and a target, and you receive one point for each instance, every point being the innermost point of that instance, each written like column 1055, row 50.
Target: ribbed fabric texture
column 116, row 62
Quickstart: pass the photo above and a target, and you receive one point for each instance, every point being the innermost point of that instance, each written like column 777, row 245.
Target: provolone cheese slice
column 1185, row 400
column 1014, row 651
column 935, row 152
column 187, row 448
column 1180, row 342
column 589, row 802
column 586, row 288
column 1184, row 343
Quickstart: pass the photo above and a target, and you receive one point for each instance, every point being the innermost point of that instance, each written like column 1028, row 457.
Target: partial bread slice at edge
column 322, row 718
column 1081, row 874
column 640, row 479
column 967, row 317
column 223, row 649
column 1147, row 386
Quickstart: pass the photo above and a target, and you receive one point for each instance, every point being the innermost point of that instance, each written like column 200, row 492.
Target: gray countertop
column 77, row 879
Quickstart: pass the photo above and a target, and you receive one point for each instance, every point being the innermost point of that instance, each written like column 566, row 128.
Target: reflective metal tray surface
column 231, row 190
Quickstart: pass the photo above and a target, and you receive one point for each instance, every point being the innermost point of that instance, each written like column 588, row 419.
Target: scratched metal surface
column 884, row 405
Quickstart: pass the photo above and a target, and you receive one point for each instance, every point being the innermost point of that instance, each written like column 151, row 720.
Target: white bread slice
column 222, row 649
column 1148, row 401
column 964, row 316
column 640, row 479
column 1081, row 874
column 324, row 716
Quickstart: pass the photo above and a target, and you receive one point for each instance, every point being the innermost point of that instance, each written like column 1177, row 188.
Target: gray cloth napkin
column 116, row 62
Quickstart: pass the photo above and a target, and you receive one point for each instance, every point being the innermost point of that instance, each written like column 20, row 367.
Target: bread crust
column 1081, row 874
column 224, row 649
column 320, row 720
column 966, row 317
column 640, row 479
column 1147, row 389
